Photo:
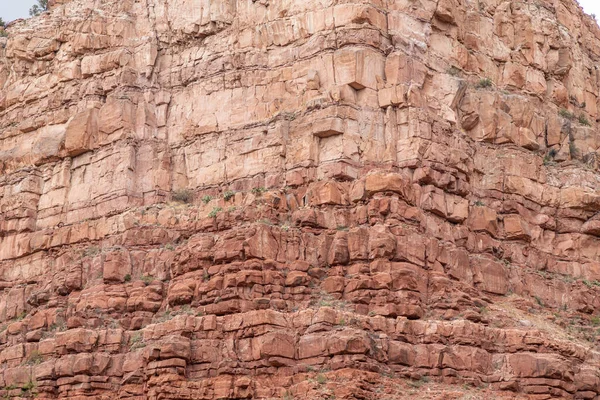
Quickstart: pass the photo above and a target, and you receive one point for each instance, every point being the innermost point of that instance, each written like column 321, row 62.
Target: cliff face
column 292, row 199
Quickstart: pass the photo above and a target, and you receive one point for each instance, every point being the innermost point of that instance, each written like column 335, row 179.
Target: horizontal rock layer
column 358, row 199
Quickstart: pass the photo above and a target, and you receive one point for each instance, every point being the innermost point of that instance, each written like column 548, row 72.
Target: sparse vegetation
column 183, row 196
column 258, row 190
column 29, row 386
column 40, row 7
column 205, row 276
column 321, row 379
column 127, row 278
column 539, row 301
column 479, row 203
column 35, row 358
column 136, row 341
column 228, row 195
column 563, row 112
column 583, row 120
column 215, row 211
column 341, row 228
column 58, row 326
column 147, row 279
column 419, row 382
column 573, row 151
column 166, row 316
column 326, row 300
column 484, row 83
column 186, row 310
column 591, row 284
column 549, row 157
column 91, row 251
column 287, row 396
column 21, row 316
column 206, row 199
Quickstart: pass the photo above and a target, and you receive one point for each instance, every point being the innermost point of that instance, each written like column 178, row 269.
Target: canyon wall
column 300, row 199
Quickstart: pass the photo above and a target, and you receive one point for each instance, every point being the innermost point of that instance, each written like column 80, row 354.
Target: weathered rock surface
column 350, row 199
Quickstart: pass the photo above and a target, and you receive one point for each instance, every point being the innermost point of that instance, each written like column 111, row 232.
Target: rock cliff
column 300, row 199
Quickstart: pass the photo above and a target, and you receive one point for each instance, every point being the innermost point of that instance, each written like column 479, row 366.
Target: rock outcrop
column 300, row 199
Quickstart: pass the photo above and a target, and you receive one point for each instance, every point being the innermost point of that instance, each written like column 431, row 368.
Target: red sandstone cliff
column 300, row 199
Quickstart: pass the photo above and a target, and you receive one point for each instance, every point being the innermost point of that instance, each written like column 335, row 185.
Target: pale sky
column 590, row 7
column 13, row 9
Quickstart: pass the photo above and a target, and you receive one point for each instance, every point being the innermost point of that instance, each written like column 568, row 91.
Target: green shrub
column 206, row 199
column 127, row 278
column 259, row 190
column 228, row 195
column 35, row 358
column 583, row 120
column 566, row 113
column 321, row 379
column 136, row 341
column 573, row 151
column 29, row 386
column 215, row 211
column 484, row 83
column 40, row 7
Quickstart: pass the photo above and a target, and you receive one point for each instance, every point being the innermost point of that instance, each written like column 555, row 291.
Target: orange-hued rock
column 301, row 199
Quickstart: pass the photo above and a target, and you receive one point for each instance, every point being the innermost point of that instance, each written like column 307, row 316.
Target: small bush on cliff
column 258, row 190
column 573, row 150
column 183, row 196
column 566, row 113
column 35, row 358
column 91, row 251
column 29, row 386
column 136, row 341
column 206, row 199
column 549, row 157
column 228, row 195
column 484, row 84
column 288, row 396
column 584, row 121
column 321, row 379
column 40, row 7
column 3, row 33
column 215, row 211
